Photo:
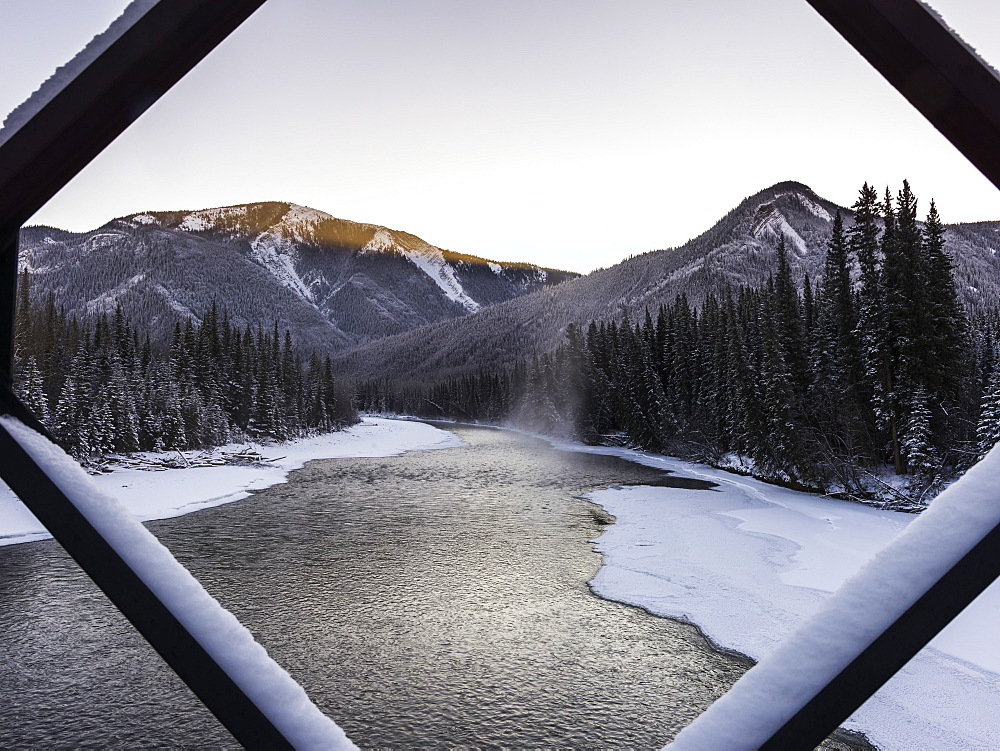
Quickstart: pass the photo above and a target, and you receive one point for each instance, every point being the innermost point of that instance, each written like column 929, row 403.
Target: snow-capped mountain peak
column 335, row 283
column 806, row 202
column 275, row 243
column 739, row 250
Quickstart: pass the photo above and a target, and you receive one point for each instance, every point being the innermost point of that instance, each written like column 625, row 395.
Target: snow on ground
column 851, row 619
column 747, row 562
column 174, row 492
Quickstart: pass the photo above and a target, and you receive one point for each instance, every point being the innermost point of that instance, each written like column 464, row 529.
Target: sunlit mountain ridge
column 332, row 282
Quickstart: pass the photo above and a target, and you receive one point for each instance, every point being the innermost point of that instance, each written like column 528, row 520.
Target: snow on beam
column 866, row 631
column 44, row 144
column 937, row 72
column 207, row 647
column 87, row 103
column 92, row 99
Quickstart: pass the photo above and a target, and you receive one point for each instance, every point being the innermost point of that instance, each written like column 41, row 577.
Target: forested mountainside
column 740, row 250
column 857, row 376
column 333, row 283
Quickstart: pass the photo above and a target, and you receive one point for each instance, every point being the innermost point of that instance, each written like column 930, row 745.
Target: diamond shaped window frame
column 904, row 40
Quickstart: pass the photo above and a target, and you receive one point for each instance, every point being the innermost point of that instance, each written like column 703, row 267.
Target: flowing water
column 438, row 598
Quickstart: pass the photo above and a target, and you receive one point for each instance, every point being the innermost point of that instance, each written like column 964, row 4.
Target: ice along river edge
column 745, row 564
column 175, row 492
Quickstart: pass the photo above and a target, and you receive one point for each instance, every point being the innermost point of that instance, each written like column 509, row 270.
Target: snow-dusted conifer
column 916, row 440
column 988, row 428
column 30, row 388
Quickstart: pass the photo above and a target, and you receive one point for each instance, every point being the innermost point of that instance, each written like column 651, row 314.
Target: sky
column 567, row 133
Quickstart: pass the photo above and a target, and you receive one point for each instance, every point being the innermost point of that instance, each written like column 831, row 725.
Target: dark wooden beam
column 927, row 64
column 960, row 96
column 36, row 161
column 132, row 597
column 8, row 304
column 93, row 109
column 892, row 649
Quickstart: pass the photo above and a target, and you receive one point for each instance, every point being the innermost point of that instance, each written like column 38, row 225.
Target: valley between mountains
column 853, row 353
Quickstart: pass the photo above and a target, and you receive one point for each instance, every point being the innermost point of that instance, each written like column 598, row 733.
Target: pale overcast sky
column 569, row 133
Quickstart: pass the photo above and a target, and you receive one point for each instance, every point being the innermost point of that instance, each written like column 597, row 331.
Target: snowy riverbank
column 174, row 492
column 748, row 561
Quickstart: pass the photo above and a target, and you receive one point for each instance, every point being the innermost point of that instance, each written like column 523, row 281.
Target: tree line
column 822, row 384
column 102, row 388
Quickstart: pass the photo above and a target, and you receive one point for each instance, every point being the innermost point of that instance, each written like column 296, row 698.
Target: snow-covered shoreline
column 175, row 492
column 747, row 561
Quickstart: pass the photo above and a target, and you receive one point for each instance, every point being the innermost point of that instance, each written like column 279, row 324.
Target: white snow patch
column 443, row 276
column 107, row 301
column 748, row 562
column 775, row 223
column 496, row 268
column 229, row 643
column 206, row 219
column 965, row 44
column 175, row 492
column 300, row 222
column 847, row 622
column 809, row 204
column 278, row 257
column 428, row 259
column 66, row 73
column 814, row 208
column 102, row 241
column 174, row 304
column 382, row 241
column 198, row 222
column 276, row 248
column 800, row 245
column 688, row 271
column 144, row 219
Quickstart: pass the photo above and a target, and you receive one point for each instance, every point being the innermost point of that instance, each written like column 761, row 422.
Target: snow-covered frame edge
column 959, row 93
column 74, row 121
column 88, row 104
column 75, row 115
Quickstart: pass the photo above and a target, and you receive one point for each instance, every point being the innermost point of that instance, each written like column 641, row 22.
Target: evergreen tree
column 988, row 429
column 31, row 390
column 916, row 439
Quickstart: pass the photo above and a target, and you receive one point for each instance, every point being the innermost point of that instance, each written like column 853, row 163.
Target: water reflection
column 433, row 599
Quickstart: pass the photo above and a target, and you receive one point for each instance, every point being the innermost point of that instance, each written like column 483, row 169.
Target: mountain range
column 389, row 304
column 740, row 249
column 334, row 283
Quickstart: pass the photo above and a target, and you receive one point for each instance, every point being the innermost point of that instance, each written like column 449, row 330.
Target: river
column 437, row 598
